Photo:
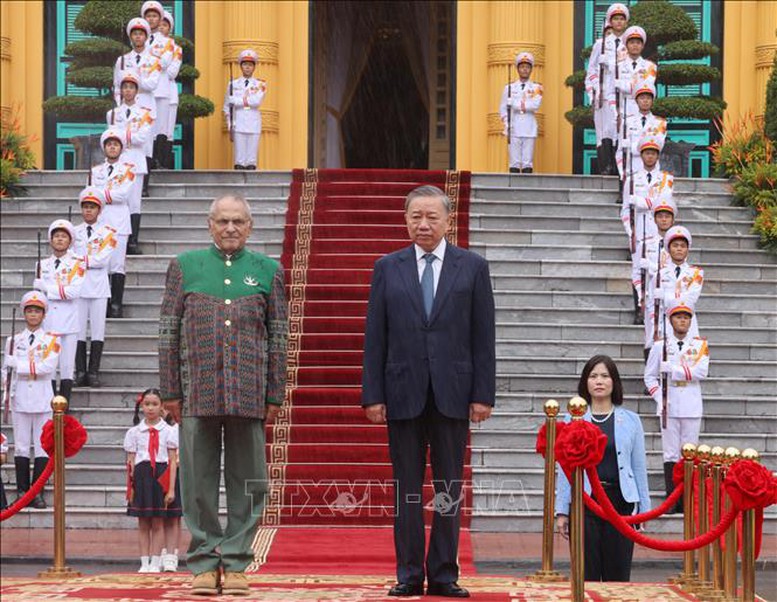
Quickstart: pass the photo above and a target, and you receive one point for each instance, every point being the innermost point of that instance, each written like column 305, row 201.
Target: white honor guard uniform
column 157, row 47
column 245, row 95
column 33, row 358
column 657, row 258
column 146, row 68
column 633, row 73
column 605, row 119
column 639, row 125
column 520, row 101
column 95, row 244
column 687, row 364
column 168, row 129
column 118, row 182
column 650, row 189
column 61, row 279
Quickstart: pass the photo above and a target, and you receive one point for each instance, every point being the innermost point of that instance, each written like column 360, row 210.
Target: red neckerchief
column 153, row 446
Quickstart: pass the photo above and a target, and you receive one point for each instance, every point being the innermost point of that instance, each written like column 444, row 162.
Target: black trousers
column 409, row 440
column 607, row 552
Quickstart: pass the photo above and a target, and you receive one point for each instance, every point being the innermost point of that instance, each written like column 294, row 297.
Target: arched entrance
column 381, row 85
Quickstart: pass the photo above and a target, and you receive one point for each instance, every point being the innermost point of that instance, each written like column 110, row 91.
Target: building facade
column 378, row 84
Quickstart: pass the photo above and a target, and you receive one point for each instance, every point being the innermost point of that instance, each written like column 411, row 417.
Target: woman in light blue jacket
column 622, row 471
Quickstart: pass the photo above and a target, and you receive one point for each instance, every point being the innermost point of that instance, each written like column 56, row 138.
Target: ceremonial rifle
column 601, row 66
column 664, row 383
column 626, row 150
column 617, row 91
column 657, row 302
column 509, row 110
column 37, row 274
column 9, row 372
column 70, row 210
column 643, row 271
column 632, row 225
column 231, row 107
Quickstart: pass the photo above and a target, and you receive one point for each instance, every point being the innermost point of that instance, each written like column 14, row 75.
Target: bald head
column 229, row 222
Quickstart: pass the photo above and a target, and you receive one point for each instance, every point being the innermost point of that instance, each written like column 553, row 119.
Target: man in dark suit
column 429, row 367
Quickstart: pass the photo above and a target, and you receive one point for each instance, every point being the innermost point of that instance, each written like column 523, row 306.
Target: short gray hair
column 428, row 191
column 230, row 195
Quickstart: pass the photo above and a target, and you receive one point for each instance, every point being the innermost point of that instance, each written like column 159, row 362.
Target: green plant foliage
column 686, row 50
column 683, row 74
column 187, row 73
column 186, row 45
column 664, row 22
column 586, row 52
column 765, row 225
column 770, row 116
column 192, row 106
column 756, row 186
column 576, row 80
column 742, row 143
column 107, row 18
column 95, row 49
column 91, row 77
column 79, row 108
column 689, row 107
column 15, row 156
column 580, row 116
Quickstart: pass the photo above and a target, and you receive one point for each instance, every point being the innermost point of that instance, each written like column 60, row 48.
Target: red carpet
column 329, row 466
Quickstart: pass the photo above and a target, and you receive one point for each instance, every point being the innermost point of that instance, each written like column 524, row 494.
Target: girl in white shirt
column 151, row 447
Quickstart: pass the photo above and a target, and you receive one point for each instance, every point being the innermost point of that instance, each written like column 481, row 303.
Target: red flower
column 750, row 485
column 75, row 436
column 580, row 444
column 542, row 437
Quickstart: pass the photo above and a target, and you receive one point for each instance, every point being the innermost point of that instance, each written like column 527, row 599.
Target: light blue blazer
column 632, row 464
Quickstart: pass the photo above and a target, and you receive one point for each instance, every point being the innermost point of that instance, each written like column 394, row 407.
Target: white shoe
column 155, row 566
column 144, row 565
column 169, row 563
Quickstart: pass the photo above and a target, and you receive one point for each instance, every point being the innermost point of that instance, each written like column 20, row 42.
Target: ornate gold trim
column 504, row 53
column 261, row 547
column 764, row 55
column 268, row 51
column 5, row 48
column 495, row 126
column 452, row 187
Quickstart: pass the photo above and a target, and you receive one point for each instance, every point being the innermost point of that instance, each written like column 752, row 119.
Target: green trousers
column 245, row 479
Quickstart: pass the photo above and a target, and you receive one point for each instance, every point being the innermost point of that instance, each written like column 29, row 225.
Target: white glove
column 10, row 362
column 644, row 264
column 666, row 367
column 39, row 285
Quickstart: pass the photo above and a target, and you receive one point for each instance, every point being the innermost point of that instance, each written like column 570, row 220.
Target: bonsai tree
column 671, row 39
column 92, row 61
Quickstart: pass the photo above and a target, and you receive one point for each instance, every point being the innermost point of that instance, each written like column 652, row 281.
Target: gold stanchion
column 730, row 555
column 577, row 407
column 703, row 585
column 547, row 574
column 59, row 570
column 688, row 576
column 717, row 456
column 748, row 542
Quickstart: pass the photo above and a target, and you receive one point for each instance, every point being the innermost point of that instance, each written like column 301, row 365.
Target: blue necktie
column 427, row 283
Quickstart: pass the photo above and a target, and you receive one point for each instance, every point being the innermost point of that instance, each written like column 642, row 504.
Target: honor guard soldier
column 60, row 278
column 683, row 361
column 639, row 124
column 606, row 55
column 138, row 124
column 241, row 106
column 166, row 26
column 643, row 190
column 520, row 101
column 32, row 356
column 656, row 258
column 141, row 62
column 633, row 71
column 159, row 47
column 95, row 242
column 116, row 178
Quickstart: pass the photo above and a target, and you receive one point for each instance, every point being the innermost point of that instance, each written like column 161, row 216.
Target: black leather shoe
column 447, row 590
column 404, row 590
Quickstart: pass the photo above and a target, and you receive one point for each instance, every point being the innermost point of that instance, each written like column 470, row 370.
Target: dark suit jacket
column 455, row 348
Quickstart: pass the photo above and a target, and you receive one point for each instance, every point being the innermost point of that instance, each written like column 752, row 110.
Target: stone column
column 5, row 59
column 765, row 48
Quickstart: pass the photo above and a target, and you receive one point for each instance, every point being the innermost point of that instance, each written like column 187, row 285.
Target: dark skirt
column 148, row 499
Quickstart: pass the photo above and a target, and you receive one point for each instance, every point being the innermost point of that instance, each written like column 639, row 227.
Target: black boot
column 95, row 355
column 251, row 167
column 133, row 245
column 117, row 296
column 619, row 198
column 599, row 159
column 40, row 463
column 54, row 386
column 169, row 156
column 515, row 170
column 638, row 317
column 528, row 170
column 669, row 486
column 66, row 389
column 160, row 148
column 147, row 176
column 22, row 475
column 605, row 168
column 81, row 379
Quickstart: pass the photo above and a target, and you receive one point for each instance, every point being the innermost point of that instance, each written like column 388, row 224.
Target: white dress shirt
column 439, row 253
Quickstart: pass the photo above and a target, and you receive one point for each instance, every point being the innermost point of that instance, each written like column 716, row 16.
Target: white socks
column 144, row 566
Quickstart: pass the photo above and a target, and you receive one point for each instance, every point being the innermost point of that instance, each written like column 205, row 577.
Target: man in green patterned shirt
column 222, row 369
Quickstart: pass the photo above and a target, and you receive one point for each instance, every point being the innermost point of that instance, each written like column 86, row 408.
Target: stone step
column 194, row 206
column 616, row 251
column 566, row 384
column 181, row 190
column 197, row 232
column 79, row 177
column 593, row 182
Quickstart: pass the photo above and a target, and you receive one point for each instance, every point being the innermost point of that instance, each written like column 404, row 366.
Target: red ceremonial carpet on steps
column 329, row 467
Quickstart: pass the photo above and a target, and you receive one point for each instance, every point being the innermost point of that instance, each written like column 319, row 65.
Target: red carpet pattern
column 328, row 465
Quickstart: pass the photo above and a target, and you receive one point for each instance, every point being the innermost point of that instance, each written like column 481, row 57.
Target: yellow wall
column 749, row 44
column 490, row 34
column 21, row 67
column 278, row 31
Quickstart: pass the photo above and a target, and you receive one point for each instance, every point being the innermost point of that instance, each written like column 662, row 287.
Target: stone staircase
column 558, row 263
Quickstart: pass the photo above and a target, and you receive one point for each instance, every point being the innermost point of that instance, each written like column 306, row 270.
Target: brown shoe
column 235, row 584
column 206, row 584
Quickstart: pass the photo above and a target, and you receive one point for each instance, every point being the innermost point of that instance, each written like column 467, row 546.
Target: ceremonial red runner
column 328, row 465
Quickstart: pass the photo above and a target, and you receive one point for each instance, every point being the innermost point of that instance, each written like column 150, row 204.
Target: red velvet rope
column 75, row 438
